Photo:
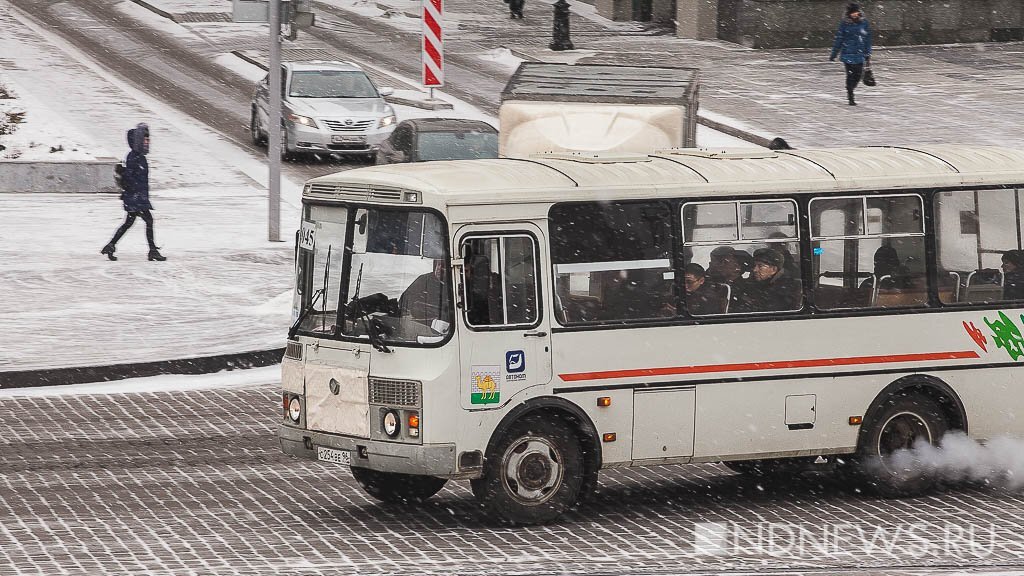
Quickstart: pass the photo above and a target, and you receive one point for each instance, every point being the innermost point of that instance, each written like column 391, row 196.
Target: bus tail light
column 413, row 421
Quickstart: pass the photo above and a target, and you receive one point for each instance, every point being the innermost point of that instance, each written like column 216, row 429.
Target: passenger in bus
column 483, row 292
column 727, row 265
column 1013, row 275
column 701, row 299
column 426, row 299
column 768, row 288
column 890, row 273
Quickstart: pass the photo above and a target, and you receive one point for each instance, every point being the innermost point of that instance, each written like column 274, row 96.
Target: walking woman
column 135, row 181
column 853, row 46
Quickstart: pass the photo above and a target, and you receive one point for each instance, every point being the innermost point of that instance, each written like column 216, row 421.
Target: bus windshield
column 395, row 286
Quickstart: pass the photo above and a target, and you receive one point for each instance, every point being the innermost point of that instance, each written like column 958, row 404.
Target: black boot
column 849, row 96
column 109, row 251
column 154, row 254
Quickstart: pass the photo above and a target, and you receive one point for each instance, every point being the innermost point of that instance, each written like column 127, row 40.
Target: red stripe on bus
column 746, row 367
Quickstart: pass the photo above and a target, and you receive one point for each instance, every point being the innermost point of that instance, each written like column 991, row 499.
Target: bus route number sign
column 307, row 235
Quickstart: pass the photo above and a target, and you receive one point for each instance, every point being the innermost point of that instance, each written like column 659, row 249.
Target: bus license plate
column 332, row 455
column 348, row 139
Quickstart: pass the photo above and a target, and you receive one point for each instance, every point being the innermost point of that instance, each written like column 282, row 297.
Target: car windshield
column 456, row 145
column 331, row 84
column 396, row 283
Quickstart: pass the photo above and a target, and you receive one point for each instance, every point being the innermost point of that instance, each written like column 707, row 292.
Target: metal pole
column 274, row 129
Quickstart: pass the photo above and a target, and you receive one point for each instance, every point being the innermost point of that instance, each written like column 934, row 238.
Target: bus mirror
column 361, row 224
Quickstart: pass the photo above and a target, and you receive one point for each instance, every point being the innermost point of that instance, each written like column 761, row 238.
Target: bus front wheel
column 885, row 458
column 535, row 473
column 394, row 487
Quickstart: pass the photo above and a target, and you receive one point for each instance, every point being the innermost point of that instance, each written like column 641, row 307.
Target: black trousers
column 147, row 217
column 853, row 76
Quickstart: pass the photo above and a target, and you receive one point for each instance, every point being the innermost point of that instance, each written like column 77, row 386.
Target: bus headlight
column 391, row 423
column 295, row 409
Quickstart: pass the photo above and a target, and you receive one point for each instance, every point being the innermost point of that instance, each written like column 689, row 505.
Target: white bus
column 524, row 324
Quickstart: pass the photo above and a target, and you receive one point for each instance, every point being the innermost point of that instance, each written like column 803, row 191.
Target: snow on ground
column 32, row 131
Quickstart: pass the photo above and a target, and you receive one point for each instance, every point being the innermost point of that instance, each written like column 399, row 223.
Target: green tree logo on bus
column 1005, row 335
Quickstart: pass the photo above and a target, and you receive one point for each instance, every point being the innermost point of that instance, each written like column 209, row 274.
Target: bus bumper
column 427, row 460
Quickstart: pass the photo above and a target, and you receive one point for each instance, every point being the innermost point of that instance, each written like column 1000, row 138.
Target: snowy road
column 182, row 475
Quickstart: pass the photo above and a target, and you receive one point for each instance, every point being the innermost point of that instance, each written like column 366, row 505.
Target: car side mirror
column 386, row 91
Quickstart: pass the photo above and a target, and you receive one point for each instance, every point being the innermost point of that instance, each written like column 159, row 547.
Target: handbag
column 869, row 76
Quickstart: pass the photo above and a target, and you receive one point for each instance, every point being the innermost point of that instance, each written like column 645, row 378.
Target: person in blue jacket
column 135, row 197
column 853, row 46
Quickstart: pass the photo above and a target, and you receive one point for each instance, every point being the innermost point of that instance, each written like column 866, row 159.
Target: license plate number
column 348, row 139
column 332, row 455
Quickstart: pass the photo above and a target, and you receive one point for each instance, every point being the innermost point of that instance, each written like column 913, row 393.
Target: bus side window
column 977, row 232
column 500, row 281
column 868, row 252
column 747, row 253
column 612, row 261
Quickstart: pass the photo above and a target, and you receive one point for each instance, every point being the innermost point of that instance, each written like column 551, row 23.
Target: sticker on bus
column 515, row 366
column 486, row 385
column 307, row 235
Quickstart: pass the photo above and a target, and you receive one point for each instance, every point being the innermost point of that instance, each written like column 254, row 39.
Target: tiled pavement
column 194, row 483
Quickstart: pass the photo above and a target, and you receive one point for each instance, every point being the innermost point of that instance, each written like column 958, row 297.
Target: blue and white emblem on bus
column 515, row 361
column 486, row 385
column 515, row 366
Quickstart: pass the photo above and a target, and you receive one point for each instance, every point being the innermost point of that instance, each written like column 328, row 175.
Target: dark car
column 425, row 139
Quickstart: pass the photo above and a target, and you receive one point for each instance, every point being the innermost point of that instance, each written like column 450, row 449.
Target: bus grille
column 357, row 192
column 293, row 350
column 388, row 392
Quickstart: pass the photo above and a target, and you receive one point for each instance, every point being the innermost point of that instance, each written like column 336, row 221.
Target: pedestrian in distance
column 853, row 47
column 135, row 194
column 515, row 8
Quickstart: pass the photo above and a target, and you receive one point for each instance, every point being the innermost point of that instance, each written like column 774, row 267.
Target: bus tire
column 535, row 474
column 901, row 421
column 397, row 488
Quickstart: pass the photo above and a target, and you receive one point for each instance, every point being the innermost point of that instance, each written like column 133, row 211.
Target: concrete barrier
column 52, row 176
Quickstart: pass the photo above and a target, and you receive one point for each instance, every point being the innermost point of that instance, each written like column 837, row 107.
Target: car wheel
column 397, row 488
column 883, row 460
column 254, row 129
column 535, row 473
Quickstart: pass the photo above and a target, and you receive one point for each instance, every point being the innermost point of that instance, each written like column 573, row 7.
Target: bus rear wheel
column 397, row 488
column 535, row 473
column 884, row 459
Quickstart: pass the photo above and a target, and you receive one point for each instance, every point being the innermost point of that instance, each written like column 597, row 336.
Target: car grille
column 346, row 126
column 388, row 392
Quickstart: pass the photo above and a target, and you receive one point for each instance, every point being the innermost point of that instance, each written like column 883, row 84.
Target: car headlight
column 295, row 409
column 304, row 120
column 386, row 121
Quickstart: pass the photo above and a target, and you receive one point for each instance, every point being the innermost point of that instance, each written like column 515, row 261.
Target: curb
column 155, row 10
column 77, row 176
column 90, row 374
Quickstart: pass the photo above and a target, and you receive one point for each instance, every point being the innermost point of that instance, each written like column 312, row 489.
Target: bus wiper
column 369, row 324
column 309, row 308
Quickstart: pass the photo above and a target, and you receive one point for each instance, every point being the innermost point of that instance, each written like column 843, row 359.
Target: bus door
column 504, row 336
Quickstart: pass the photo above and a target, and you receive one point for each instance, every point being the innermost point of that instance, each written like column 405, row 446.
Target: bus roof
column 677, row 172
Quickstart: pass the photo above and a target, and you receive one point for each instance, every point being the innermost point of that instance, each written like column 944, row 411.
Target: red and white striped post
column 433, row 44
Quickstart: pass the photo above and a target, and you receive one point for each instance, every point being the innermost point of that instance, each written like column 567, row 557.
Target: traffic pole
column 274, row 129
column 433, row 45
